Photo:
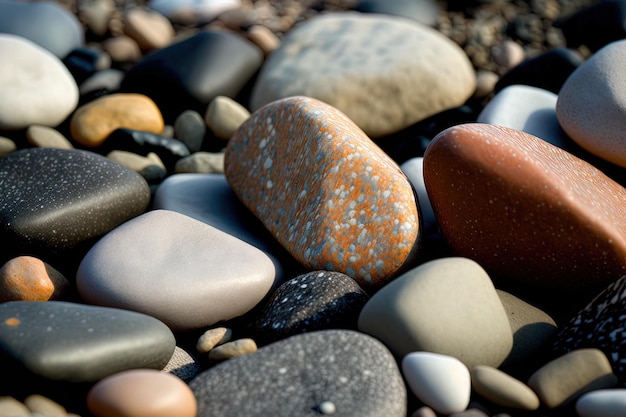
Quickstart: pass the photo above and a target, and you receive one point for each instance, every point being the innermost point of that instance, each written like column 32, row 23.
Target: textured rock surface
column 353, row 371
column 344, row 204
column 591, row 104
column 525, row 210
column 30, row 279
column 447, row 306
column 415, row 73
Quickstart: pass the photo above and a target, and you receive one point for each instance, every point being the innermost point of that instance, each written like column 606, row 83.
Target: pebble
column 337, row 222
column 296, row 375
column 339, row 70
column 150, row 29
column 28, row 278
column 190, row 11
column 204, row 275
column 70, row 342
column 188, row 74
column 122, row 49
column 6, row 146
column 212, row 338
column 92, row 123
column 516, row 205
column 38, row 88
column 91, row 196
column 598, row 325
column 589, row 101
column 418, row 312
column 414, row 170
column 39, row 404
column 264, row 38
column 10, row 407
column 602, row 403
column 232, row 349
column 145, row 392
column 508, row 54
column 224, row 116
column 47, row 137
column 502, row 389
column 317, row 300
column 440, row 381
column 424, row 411
column 150, row 167
column 189, row 128
column 425, row 12
column 50, row 25
column 563, row 380
column 107, row 80
column 201, row 163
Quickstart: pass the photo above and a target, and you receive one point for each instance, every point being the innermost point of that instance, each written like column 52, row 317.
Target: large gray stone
column 384, row 72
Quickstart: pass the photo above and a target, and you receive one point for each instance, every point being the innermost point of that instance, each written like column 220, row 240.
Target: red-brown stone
column 332, row 197
column 524, row 209
column 26, row 278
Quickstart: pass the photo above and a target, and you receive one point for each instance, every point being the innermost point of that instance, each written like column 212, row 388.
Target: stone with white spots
column 301, row 375
column 204, row 275
column 602, row 403
column 384, row 72
column 447, row 306
column 527, row 211
column 37, row 88
column 592, row 103
column 324, row 190
column 440, row 381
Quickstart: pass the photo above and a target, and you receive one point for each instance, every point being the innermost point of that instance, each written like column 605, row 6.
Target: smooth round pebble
column 47, row 137
column 212, row 338
column 439, row 381
column 232, row 349
column 224, row 115
column 141, row 392
column 39, row 404
column 502, row 389
column 602, row 403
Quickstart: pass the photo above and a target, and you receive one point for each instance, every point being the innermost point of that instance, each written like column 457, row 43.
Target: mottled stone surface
column 295, row 376
column 72, row 342
column 385, row 72
column 30, row 279
column 447, row 306
column 317, row 300
column 599, row 325
column 525, row 210
column 563, row 380
column 592, row 103
column 327, row 193
column 52, row 200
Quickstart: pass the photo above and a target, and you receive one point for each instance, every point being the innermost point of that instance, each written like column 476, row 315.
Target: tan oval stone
column 10, row 407
column 122, row 48
column 232, row 349
column 564, row 379
column 264, row 38
column 47, row 137
column 141, row 392
column 327, row 193
column 224, row 115
column 525, row 210
column 213, row 337
column 6, row 146
column 150, row 29
column 93, row 122
column 201, row 163
column 44, row 406
column 502, row 389
column 26, row 278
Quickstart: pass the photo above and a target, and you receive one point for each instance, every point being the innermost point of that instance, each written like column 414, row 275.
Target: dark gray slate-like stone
column 46, row 23
column 293, row 377
column 190, row 73
column 54, row 200
column 317, row 300
column 600, row 324
column 71, row 342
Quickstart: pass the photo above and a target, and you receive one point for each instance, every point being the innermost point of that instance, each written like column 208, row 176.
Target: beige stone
column 10, row 407
column 503, row 389
column 564, row 379
column 122, row 49
column 93, row 122
column 201, row 163
column 6, row 146
column 224, row 115
column 213, row 337
column 44, row 406
column 150, row 29
column 47, row 137
column 232, row 349
column 264, row 38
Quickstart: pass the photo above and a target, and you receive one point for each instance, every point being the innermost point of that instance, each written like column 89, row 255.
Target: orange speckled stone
column 26, row 278
column 327, row 193
column 524, row 209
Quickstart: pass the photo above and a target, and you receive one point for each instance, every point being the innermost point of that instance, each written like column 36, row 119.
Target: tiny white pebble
column 327, row 407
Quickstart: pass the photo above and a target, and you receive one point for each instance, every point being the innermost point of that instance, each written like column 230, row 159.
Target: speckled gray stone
column 52, row 200
column 293, row 377
column 71, row 342
column 317, row 300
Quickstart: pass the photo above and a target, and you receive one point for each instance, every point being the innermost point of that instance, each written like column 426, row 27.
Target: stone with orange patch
column 26, row 278
column 327, row 193
column 526, row 211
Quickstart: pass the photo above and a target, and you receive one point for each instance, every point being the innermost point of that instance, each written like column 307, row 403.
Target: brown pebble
column 27, row 278
column 232, row 349
column 212, row 338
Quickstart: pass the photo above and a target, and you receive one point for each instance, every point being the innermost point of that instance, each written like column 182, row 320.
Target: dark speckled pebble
column 53, row 200
column 293, row 377
column 71, row 342
column 317, row 300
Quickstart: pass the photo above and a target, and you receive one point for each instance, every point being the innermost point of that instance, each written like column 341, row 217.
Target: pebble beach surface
column 375, row 208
